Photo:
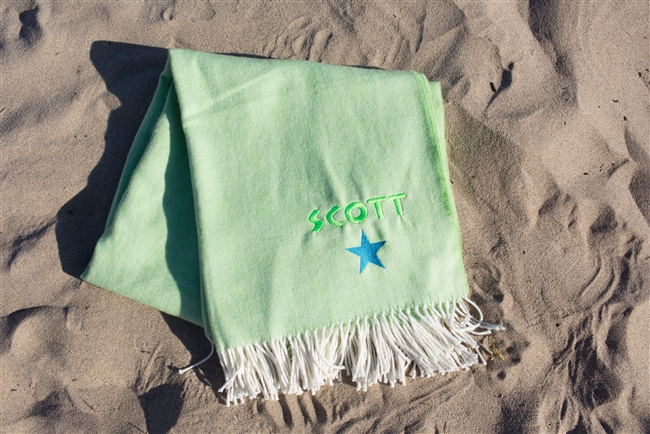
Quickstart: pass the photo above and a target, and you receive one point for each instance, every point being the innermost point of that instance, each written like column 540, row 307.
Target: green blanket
column 302, row 214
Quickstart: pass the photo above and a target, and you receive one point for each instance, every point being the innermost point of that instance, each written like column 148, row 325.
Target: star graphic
column 367, row 251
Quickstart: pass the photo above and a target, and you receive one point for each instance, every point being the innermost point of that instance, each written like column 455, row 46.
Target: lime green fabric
column 264, row 198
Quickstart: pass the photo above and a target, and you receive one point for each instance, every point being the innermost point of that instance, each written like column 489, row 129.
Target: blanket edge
column 420, row 341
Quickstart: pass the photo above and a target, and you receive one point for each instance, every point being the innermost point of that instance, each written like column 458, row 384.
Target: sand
column 547, row 111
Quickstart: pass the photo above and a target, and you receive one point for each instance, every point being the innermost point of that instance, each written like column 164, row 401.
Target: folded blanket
column 302, row 214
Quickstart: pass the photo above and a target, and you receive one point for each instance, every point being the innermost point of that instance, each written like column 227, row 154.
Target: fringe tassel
column 385, row 348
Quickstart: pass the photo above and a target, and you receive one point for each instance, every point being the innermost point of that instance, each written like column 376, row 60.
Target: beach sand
column 547, row 114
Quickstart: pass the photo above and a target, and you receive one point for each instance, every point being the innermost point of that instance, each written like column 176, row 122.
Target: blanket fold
column 302, row 214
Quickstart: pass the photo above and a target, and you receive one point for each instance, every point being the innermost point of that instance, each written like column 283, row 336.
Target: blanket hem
column 383, row 348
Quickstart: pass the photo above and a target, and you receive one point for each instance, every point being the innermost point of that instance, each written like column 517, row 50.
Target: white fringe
column 384, row 348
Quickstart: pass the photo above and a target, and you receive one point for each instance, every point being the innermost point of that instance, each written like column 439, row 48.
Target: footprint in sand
column 48, row 392
column 303, row 39
column 31, row 31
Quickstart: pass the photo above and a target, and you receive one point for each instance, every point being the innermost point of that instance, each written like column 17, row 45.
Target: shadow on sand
column 131, row 74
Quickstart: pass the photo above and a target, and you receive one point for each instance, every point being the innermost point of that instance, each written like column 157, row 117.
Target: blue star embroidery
column 367, row 251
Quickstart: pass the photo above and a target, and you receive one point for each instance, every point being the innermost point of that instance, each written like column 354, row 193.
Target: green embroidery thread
column 330, row 217
column 363, row 212
column 376, row 201
column 398, row 205
column 318, row 223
